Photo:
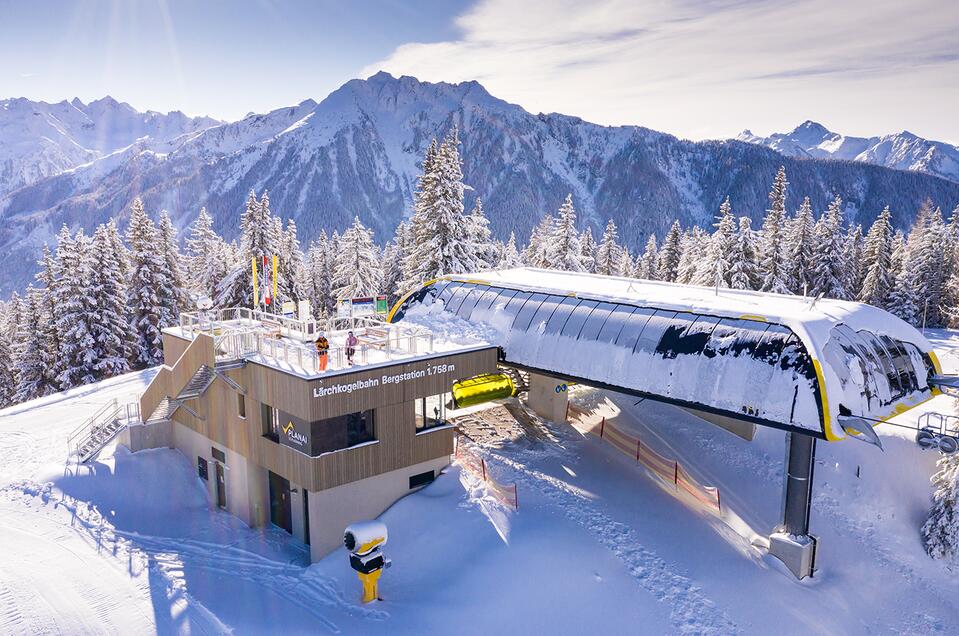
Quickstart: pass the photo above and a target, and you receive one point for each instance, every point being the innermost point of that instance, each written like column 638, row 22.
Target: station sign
column 387, row 378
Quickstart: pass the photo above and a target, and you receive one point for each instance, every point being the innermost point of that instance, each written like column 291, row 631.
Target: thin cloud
column 708, row 69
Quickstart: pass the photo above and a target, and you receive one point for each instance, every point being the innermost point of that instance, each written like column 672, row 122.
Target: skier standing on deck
column 322, row 349
column 350, row 346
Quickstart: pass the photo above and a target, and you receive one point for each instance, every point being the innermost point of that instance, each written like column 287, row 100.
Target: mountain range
column 902, row 151
column 357, row 152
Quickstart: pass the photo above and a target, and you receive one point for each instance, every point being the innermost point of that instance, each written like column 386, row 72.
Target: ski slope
column 129, row 545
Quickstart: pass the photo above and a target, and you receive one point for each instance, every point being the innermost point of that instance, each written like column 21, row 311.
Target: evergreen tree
column 8, row 374
column 150, row 291
column 203, row 253
column 772, row 249
column 76, row 311
column 607, row 254
column 744, row 272
column 940, row 532
column 321, row 276
column 647, row 266
column 170, row 250
column 877, row 262
column 479, row 240
column 356, row 266
column 47, row 278
column 694, row 244
column 439, row 230
column 829, row 273
column 626, row 266
column 109, row 325
column 258, row 239
column 898, row 255
column 36, row 366
column 537, row 252
column 589, row 250
column 716, row 268
column 509, row 256
column 565, row 251
column 392, row 272
column 670, row 253
column 918, row 292
column 292, row 266
column 800, row 238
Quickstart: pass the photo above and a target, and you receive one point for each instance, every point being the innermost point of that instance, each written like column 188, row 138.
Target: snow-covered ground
column 129, row 545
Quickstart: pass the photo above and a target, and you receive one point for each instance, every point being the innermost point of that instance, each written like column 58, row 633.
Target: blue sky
column 695, row 68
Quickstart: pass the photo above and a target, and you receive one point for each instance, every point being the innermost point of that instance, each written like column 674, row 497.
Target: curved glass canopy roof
column 744, row 367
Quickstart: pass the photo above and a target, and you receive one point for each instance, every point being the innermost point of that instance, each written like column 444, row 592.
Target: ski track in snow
column 691, row 612
column 170, row 556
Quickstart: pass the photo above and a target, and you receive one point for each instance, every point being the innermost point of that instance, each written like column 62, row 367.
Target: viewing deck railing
column 241, row 333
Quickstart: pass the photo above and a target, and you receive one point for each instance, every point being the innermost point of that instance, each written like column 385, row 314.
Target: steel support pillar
column 791, row 542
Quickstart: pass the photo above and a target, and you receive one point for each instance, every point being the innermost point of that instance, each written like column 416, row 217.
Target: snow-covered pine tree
column 940, row 532
column 918, row 291
column 36, row 366
column 898, row 255
column 800, row 236
column 716, row 266
column 150, row 291
column 536, row 253
column 647, row 265
column 110, row 327
column 47, row 278
column 854, row 253
column 694, row 244
column 356, row 269
column 292, row 265
column 744, row 272
column 588, row 246
column 173, row 260
column 439, row 229
column 607, row 253
column 509, row 256
column 829, row 273
column 202, row 252
column 392, row 271
column 76, row 308
column 772, row 248
column 626, row 265
column 258, row 238
column 8, row 370
column 877, row 262
column 565, row 252
column 670, row 253
column 321, row 276
column 479, row 239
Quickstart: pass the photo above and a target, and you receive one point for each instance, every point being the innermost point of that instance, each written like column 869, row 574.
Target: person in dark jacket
column 322, row 350
column 351, row 342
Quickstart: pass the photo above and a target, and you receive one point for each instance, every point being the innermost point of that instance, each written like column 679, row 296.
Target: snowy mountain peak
column 902, row 151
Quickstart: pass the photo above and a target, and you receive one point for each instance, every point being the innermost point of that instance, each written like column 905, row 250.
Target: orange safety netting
column 504, row 493
column 668, row 470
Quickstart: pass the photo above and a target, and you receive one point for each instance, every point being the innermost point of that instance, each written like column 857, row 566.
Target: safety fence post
column 602, row 427
column 515, row 496
column 676, row 473
column 483, row 464
column 638, row 445
column 719, row 501
column 567, row 411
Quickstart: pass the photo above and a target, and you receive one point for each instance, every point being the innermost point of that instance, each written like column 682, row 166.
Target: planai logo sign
column 292, row 435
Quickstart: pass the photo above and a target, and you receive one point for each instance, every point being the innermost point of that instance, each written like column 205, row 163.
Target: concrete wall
column 333, row 509
column 544, row 398
column 139, row 437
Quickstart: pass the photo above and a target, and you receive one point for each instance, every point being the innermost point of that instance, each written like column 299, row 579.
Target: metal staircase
column 198, row 384
column 99, row 429
column 520, row 378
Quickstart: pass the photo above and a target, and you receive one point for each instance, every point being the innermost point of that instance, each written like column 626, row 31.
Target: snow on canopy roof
column 811, row 321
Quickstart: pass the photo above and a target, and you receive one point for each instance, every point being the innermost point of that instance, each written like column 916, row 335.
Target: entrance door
column 220, row 486
column 281, row 509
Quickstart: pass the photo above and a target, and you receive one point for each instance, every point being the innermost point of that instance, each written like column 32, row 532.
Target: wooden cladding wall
column 397, row 445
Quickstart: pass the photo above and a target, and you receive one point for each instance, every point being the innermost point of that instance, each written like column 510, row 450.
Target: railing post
column 676, row 473
column 638, row 446
column 602, row 427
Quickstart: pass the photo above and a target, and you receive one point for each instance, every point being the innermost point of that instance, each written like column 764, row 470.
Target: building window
column 270, row 421
column 218, row 455
column 359, row 428
column 431, row 411
column 421, row 479
column 202, row 469
column 241, row 405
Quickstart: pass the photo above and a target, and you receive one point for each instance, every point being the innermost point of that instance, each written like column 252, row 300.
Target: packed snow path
column 129, row 545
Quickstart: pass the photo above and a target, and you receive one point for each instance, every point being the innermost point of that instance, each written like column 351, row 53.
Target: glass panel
column 657, row 325
column 465, row 309
column 447, row 292
column 359, row 428
column 487, row 299
column 885, row 361
column 770, row 348
column 458, row 297
column 544, row 312
column 430, row 411
column 687, row 335
column 635, row 323
column 903, row 364
column 433, row 291
column 525, row 315
column 561, row 315
column 578, row 318
column 615, row 323
column 513, row 306
column 596, row 320
column 733, row 336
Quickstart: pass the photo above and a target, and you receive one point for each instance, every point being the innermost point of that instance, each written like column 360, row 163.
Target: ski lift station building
column 277, row 437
